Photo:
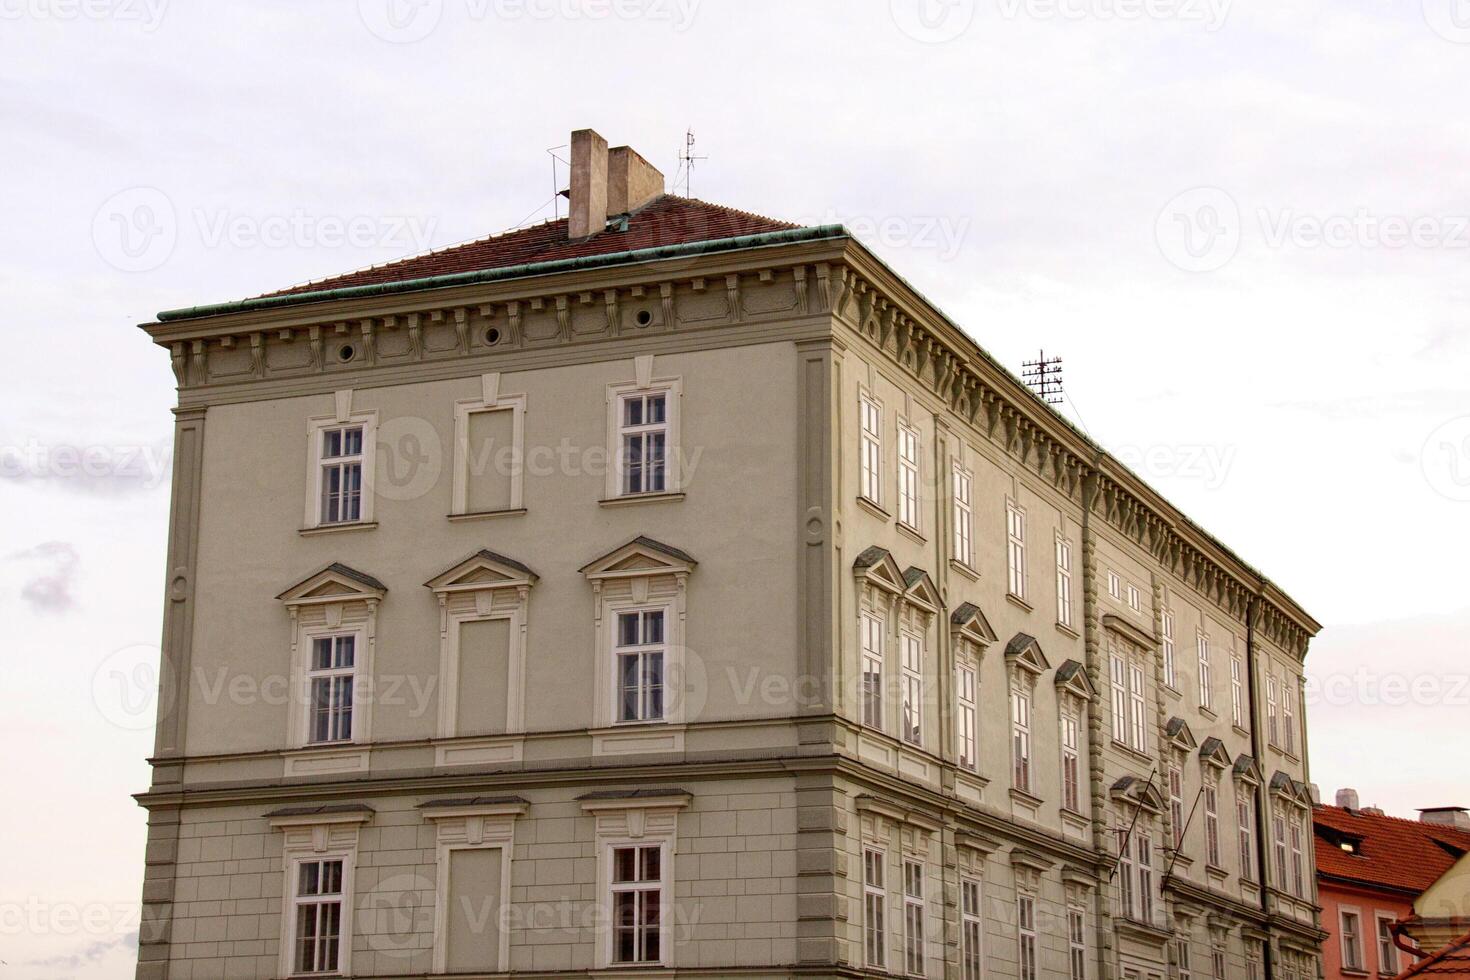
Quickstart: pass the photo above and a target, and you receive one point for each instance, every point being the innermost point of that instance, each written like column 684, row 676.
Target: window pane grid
column 639, row 653
column 333, row 663
column 341, row 475
column 643, row 443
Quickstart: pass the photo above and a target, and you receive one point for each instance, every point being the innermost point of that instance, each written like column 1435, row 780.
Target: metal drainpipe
column 1263, row 794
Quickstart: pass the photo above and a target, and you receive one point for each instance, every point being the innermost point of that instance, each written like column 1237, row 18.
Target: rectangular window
column 1118, row 674
column 1064, row 582
column 318, row 916
column 1071, row 764
column 1206, row 697
column 1126, row 896
column 1288, row 714
column 873, row 672
column 1016, row 550
column 875, row 900
column 1138, row 725
column 1077, row 943
column 1352, row 941
column 1278, row 844
column 964, row 519
column 1135, row 601
column 1115, row 585
column 1237, row 693
column 1298, row 861
column 913, row 918
column 972, row 929
column 1212, row 826
column 341, row 474
column 1184, row 970
column 1145, row 878
column 643, row 439
column 965, row 717
column 870, row 454
column 1021, row 740
column 908, row 477
column 637, row 898
column 1245, row 819
column 1176, row 804
column 913, row 689
column 1388, row 953
column 640, row 658
column 1217, row 961
column 1129, row 700
column 333, row 666
column 1026, row 935
column 1171, row 677
column 1271, row 725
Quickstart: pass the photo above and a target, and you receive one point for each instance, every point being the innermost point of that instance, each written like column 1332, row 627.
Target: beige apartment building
column 672, row 591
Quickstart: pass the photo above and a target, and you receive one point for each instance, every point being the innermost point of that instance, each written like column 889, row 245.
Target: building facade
column 672, row 589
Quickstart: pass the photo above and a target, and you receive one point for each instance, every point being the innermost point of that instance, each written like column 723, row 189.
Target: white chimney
column 1447, row 816
column 607, row 182
column 1315, row 792
column 1347, row 799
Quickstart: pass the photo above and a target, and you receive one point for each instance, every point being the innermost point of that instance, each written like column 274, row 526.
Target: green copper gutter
column 634, row 256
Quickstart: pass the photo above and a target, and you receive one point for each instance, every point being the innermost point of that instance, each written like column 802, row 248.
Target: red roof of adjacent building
column 1389, row 852
column 1452, row 961
column 667, row 220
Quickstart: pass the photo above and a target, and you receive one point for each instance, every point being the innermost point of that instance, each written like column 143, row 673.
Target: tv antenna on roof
column 686, row 163
column 1044, row 376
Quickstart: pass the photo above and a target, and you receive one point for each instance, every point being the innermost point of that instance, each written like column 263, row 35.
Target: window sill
column 1068, row 631
column 964, row 569
column 634, row 499
column 872, row 507
column 1243, row 733
column 912, row 533
column 1132, row 753
column 1208, row 712
column 1016, row 600
column 309, row 532
column 1173, row 692
column 486, row 515
column 1216, row 872
column 1026, row 799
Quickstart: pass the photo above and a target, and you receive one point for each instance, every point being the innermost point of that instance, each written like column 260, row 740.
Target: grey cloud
column 50, row 588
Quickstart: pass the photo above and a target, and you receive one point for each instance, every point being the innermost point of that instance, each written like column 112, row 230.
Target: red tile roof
column 1452, row 961
column 668, row 220
column 1407, row 855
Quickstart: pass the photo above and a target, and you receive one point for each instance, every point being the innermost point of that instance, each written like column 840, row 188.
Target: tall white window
column 872, row 672
column 870, row 453
column 1021, row 738
column 1128, row 681
column 1071, row 764
column 1064, row 581
column 639, row 653
column 908, row 477
column 1171, row 676
column 1016, row 550
column 1278, row 845
column 1077, row 943
column 1212, row 826
column 1138, row 725
column 1126, row 881
column 966, row 717
column 1272, row 727
column 1135, row 601
column 1237, row 692
column 875, row 901
column 1115, row 585
column 1145, row 877
column 1026, row 935
column 1118, row 674
column 643, row 441
column 913, row 918
column 1176, row 803
column 972, row 929
column 341, row 474
column 1206, row 696
column 1352, row 940
column 1184, row 970
column 1388, row 953
column 317, row 937
column 1288, row 714
column 964, row 518
column 1217, row 962
column 913, row 688
column 637, row 899
column 1298, row 861
column 1245, row 819
column 333, row 667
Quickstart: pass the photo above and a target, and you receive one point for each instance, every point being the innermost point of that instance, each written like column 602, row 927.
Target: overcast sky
column 1243, row 226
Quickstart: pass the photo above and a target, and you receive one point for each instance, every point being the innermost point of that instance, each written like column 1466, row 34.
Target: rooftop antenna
column 687, row 160
column 1044, row 376
column 556, row 188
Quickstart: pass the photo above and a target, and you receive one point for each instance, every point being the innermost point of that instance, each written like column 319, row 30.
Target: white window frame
column 1288, row 714
column 1295, row 835
column 1137, row 704
column 1143, row 843
column 1115, row 585
column 1218, row 963
column 1076, row 942
column 1390, row 964
column 870, row 449
column 911, row 700
column 639, row 887
column 1127, row 900
column 1064, row 581
column 875, row 908
column 1016, row 549
column 1128, row 687
column 1351, row 941
column 1273, row 725
column 316, row 429
column 1176, row 802
column 1245, row 820
column 1171, row 675
column 913, row 918
column 1237, row 691
column 1278, row 847
column 331, row 675
column 1206, row 692
column 361, row 668
column 962, row 490
column 1070, row 736
column 1212, row 824
column 1182, row 946
column 1026, row 937
column 972, row 929
column 1135, row 598
column 967, row 717
column 673, row 391
column 642, row 649
column 309, row 838
column 910, row 485
column 872, row 663
column 295, row 902
column 466, row 457
column 471, row 828
column 1021, row 748
column 623, row 823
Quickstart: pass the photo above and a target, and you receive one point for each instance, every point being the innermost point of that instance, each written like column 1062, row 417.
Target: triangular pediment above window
column 1025, row 652
column 1289, row 789
column 1212, row 753
column 877, row 567
column 639, row 558
column 483, row 570
column 1072, row 679
column 970, row 622
column 334, row 583
column 1137, row 792
column 1246, row 770
column 1178, row 733
column 920, row 589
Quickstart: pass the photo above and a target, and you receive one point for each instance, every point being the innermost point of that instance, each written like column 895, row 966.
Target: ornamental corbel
column 798, row 279
column 614, row 317
column 257, row 355
column 666, row 294
column 732, row 296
